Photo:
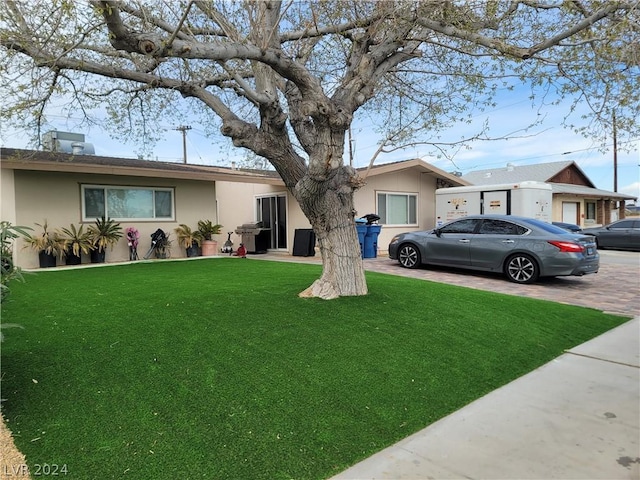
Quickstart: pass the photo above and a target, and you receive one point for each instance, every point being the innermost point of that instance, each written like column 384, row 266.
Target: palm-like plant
column 9, row 272
column 48, row 242
column 105, row 233
column 207, row 229
column 188, row 237
column 77, row 240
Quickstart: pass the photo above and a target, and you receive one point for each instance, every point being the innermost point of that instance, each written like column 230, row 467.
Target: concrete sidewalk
column 577, row 417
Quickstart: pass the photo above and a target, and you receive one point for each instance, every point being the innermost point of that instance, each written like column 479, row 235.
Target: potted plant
column 208, row 229
column 104, row 233
column 48, row 245
column 77, row 241
column 162, row 248
column 189, row 239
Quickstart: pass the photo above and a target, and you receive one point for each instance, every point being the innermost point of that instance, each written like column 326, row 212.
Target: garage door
column 570, row 212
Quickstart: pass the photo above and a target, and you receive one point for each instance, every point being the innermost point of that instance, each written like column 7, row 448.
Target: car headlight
column 395, row 239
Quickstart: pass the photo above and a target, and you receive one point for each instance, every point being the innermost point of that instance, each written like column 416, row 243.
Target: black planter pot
column 98, row 256
column 194, row 251
column 71, row 259
column 47, row 260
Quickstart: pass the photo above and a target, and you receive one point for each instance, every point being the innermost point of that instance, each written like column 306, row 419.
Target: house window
column 398, row 208
column 127, row 203
column 590, row 215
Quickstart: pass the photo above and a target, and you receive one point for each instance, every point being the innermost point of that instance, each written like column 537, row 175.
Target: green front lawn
column 216, row 369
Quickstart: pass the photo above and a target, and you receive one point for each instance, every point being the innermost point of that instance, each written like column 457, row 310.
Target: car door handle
column 508, row 241
column 464, row 240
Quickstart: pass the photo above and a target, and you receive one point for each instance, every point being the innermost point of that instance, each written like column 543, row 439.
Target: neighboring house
column 61, row 188
column 575, row 198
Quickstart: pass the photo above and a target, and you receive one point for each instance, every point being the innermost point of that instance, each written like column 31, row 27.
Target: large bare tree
column 285, row 79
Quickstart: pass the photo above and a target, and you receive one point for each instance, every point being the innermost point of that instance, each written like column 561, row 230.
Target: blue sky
column 548, row 142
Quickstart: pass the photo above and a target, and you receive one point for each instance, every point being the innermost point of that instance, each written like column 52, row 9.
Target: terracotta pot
column 209, row 248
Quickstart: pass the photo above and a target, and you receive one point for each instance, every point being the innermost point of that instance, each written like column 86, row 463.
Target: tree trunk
column 328, row 204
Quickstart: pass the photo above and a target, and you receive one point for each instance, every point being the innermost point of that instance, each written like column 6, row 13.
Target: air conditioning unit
column 67, row 142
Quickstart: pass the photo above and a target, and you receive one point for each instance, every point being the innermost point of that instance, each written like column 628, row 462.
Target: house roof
column 582, row 191
column 17, row 159
column 415, row 163
column 543, row 172
column 539, row 172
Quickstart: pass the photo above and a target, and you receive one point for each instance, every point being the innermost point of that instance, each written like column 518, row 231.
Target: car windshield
column 547, row 226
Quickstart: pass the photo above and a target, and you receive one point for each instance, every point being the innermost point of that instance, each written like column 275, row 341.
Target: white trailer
column 526, row 199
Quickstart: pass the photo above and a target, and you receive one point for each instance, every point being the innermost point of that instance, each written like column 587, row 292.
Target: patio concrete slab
column 577, row 417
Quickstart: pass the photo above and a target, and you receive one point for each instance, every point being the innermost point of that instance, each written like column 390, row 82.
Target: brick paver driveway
column 615, row 288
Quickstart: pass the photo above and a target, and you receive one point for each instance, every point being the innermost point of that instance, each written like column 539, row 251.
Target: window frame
column 106, row 188
column 383, row 221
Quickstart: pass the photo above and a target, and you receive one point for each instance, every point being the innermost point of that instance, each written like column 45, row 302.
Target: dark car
column 524, row 249
column 621, row 235
column 570, row 227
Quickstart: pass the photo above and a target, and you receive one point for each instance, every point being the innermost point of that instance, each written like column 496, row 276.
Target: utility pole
column 615, row 154
column 183, row 129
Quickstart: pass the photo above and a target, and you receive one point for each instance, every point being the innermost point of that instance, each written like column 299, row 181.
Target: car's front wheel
column 409, row 256
column 521, row 268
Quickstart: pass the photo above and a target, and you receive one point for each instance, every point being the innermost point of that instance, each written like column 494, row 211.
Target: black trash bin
column 304, row 243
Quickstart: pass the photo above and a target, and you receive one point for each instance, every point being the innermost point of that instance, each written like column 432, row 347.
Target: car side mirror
column 438, row 232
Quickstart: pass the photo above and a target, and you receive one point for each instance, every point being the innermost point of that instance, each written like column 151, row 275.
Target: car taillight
column 567, row 246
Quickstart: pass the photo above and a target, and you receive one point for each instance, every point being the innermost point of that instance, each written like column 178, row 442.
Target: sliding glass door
column 272, row 212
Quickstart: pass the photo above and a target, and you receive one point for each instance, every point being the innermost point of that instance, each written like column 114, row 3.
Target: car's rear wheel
column 521, row 268
column 409, row 256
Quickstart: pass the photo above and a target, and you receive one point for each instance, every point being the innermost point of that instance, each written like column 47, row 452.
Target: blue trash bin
column 361, row 228
column 371, row 241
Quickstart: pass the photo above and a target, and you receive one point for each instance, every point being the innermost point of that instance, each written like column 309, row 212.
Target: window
column 127, row 203
column 623, row 224
column 398, row 208
column 467, row 225
column 591, row 211
column 500, row 227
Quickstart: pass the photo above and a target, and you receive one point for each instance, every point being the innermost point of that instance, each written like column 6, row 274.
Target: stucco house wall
column 237, row 206
column 56, row 198
column 410, row 181
column 237, row 201
column 8, row 196
column 39, row 186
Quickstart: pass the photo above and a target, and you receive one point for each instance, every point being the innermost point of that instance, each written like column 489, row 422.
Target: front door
column 272, row 212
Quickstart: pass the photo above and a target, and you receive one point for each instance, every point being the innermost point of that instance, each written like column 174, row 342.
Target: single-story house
column 61, row 188
column 575, row 198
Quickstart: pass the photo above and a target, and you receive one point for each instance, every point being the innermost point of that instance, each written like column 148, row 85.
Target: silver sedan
column 524, row 249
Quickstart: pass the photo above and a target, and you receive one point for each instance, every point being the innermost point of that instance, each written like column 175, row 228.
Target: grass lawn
column 216, row 369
